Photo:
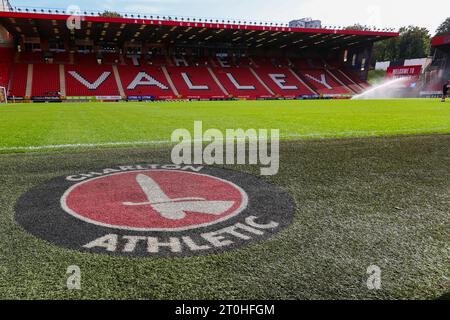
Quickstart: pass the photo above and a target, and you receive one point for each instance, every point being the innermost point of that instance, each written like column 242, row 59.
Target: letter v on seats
column 94, row 85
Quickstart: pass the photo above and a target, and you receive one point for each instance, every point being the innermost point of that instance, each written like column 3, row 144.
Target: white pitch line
column 161, row 142
column 364, row 133
column 84, row 145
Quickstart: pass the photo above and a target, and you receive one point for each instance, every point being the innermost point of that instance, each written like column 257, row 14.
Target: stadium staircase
column 62, row 80
column 119, row 81
column 304, row 81
column 219, row 84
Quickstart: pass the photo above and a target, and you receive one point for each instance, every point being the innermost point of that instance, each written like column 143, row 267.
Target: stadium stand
column 61, row 58
column 158, row 61
column 85, row 59
column 306, row 63
column 281, row 81
column 19, row 80
column 438, row 72
column 195, row 83
column 324, row 82
column 230, row 61
column 90, row 80
column 6, row 58
column 347, row 81
column 241, row 83
column 51, row 85
column 5, row 71
column 31, row 57
column 134, row 60
column 111, row 58
column 350, row 74
column 219, row 78
column 244, row 62
column 145, row 81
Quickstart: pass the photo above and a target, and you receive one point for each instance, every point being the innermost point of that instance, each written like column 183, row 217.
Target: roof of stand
column 441, row 40
column 171, row 30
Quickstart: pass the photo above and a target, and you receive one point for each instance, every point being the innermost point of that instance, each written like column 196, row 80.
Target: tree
column 357, row 27
column 444, row 28
column 111, row 14
column 413, row 43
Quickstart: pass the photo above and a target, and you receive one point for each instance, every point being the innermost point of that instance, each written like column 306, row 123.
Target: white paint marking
column 355, row 134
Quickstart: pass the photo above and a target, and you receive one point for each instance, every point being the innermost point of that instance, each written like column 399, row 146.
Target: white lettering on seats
column 190, row 85
column 280, row 80
column 237, row 85
column 223, row 62
column 87, row 84
column 135, row 60
column 323, row 80
column 144, row 79
column 181, row 62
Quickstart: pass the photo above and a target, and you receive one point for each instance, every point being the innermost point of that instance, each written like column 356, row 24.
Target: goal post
column 3, row 96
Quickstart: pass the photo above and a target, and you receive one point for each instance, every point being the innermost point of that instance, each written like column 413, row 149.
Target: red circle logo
column 155, row 200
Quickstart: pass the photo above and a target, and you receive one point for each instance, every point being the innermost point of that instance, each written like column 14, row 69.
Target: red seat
column 90, row 80
column 244, row 61
column 5, row 71
column 133, row 60
column 305, row 64
column 51, row 85
column 355, row 78
column 240, row 81
column 282, row 82
column 323, row 82
column 145, row 81
column 85, row 58
column 31, row 57
column 19, row 80
column 6, row 55
column 262, row 62
column 6, row 66
column 157, row 61
column 61, row 58
column 347, row 81
column 111, row 58
column 195, row 83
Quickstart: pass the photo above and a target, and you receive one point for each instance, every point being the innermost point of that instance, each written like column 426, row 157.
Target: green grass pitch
column 34, row 125
column 375, row 192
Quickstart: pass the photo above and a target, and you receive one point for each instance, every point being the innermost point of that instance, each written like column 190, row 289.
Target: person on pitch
column 445, row 90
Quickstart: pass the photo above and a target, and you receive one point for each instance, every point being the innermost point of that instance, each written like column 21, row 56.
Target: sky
column 379, row 13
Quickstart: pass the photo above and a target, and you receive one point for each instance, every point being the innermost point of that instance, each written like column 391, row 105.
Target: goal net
column 3, row 97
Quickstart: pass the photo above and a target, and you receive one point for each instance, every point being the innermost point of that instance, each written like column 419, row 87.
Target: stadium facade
column 50, row 55
column 439, row 71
